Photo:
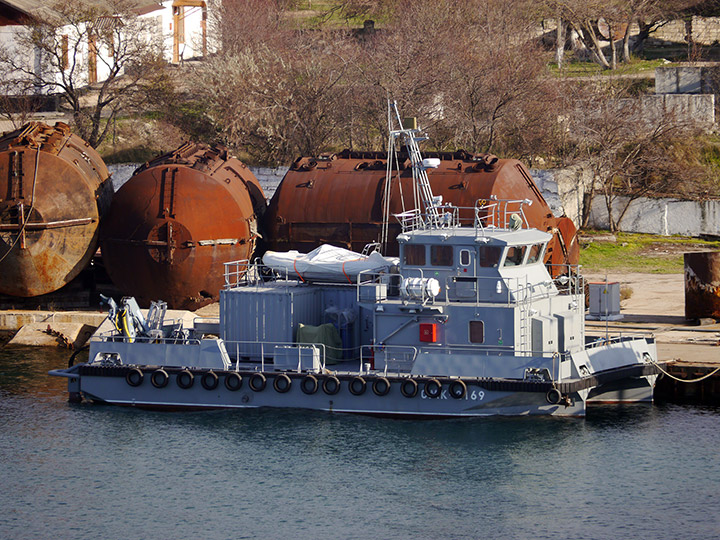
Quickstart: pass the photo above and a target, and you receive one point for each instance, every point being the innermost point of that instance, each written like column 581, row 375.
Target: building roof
column 20, row 11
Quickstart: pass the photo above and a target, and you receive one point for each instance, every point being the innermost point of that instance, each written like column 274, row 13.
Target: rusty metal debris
column 176, row 221
column 50, row 183
column 337, row 199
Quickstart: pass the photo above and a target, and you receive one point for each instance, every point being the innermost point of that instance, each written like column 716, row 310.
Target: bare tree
column 99, row 58
column 626, row 143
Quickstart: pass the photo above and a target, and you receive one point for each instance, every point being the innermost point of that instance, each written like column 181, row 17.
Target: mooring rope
column 684, row 380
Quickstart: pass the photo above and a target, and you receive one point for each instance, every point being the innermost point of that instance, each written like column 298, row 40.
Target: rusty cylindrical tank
column 337, row 199
column 702, row 285
column 50, row 182
column 174, row 223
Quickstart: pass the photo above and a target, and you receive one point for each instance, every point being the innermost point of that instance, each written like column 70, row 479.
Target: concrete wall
column 660, row 216
column 269, row 178
column 695, row 109
column 696, row 78
column 705, row 31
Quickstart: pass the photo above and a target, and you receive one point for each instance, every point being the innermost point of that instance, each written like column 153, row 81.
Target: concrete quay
column 657, row 307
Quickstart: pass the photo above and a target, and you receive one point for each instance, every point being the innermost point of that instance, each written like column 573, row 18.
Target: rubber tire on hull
column 209, row 380
column 433, row 388
column 357, row 386
column 185, row 379
column 381, row 386
column 282, row 383
column 233, row 381
column 457, row 389
column 309, row 384
column 409, row 388
column 331, row 385
column 257, row 382
column 553, row 396
column 134, row 377
column 159, row 378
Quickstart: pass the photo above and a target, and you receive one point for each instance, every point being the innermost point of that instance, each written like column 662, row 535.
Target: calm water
column 80, row 471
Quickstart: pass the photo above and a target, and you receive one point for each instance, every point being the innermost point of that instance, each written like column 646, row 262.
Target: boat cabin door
column 466, row 280
column 467, row 262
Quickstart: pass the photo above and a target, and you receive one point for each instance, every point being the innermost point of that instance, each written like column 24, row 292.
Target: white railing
column 395, row 358
column 257, row 351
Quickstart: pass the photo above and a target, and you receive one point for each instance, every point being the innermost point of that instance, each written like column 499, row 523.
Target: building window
column 441, row 255
column 489, row 256
column 414, row 255
column 477, row 332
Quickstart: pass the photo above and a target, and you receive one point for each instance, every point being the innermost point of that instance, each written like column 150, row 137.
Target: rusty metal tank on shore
column 337, row 199
column 51, row 183
column 175, row 222
column 702, row 285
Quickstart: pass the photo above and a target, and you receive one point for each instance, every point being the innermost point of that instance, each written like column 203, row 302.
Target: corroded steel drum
column 702, row 285
column 338, row 199
column 174, row 223
column 50, row 183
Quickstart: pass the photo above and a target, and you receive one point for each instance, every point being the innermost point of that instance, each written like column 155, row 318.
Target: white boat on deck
column 327, row 263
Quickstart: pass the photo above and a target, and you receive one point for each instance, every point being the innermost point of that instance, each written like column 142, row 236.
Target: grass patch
column 575, row 68
column 645, row 253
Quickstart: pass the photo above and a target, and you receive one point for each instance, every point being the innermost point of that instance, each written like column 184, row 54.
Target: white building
column 87, row 51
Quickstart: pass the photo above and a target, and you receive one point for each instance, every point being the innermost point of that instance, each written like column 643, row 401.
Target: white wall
column 665, row 216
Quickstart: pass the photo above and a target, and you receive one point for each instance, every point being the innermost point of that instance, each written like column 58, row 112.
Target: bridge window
column 477, row 332
column 515, row 255
column 489, row 256
column 441, row 255
column 414, row 255
column 465, row 257
column 535, row 252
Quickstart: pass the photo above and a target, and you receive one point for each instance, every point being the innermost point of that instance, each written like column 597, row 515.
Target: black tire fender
column 457, row 389
column 553, row 396
column 381, row 386
column 134, row 377
column 282, row 383
column 433, row 388
column 357, row 386
column 331, row 385
column 185, row 379
column 233, row 381
column 409, row 388
column 257, row 382
column 209, row 380
column 309, row 384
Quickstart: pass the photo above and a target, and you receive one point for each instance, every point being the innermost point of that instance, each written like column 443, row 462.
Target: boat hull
column 403, row 396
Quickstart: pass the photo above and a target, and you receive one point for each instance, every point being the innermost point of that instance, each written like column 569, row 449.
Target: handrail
column 119, row 338
column 271, row 346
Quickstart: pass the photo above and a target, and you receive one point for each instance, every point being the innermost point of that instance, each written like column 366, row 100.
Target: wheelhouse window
column 477, row 332
column 441, row 255
column 535, row 253
column 515, row 256
column 489, row 256
column 465, row 257
column 414, row 255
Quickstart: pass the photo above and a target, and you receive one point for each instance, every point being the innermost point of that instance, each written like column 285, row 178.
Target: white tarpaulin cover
column 327, row 263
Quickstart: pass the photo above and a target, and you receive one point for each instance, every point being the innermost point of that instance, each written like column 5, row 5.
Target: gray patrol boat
column 468, row 322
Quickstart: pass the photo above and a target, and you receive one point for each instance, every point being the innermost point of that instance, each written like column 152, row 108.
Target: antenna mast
column 409, row 136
